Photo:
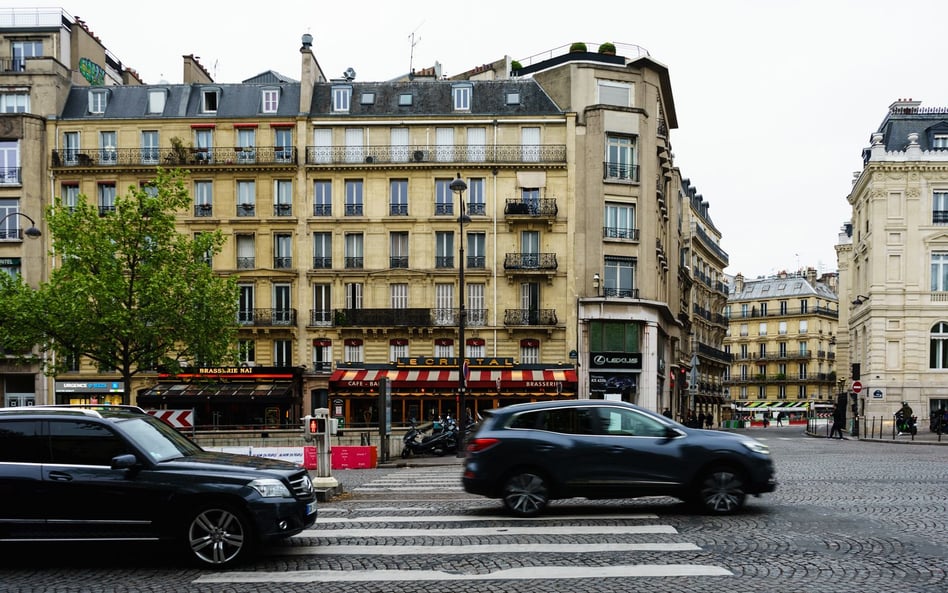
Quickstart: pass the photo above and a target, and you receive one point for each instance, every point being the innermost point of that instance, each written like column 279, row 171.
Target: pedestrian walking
column 780, row 418
column 709, row 421
column 839, row 418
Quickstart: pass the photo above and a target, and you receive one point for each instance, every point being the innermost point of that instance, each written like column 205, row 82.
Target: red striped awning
column 431, row 378
column 424, row 380
column 356, row 379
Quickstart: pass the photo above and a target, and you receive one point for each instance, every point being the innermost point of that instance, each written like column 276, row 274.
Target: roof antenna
column 411, row 56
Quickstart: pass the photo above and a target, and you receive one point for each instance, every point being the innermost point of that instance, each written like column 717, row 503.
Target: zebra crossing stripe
column 534, row 548
column 487, row 531
column 468, row 518
column 522, row 573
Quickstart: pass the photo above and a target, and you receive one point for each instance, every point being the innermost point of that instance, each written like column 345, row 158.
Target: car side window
column 22, row 441
column 618, row 421
column 564, row 420
column 80, row 442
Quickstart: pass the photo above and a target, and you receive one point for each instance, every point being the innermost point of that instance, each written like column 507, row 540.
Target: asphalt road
column 847, row 516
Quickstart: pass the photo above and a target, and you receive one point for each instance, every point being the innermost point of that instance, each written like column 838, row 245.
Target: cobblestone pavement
column 848, row 515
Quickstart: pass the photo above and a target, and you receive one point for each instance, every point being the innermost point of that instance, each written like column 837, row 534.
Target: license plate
column 310, row 508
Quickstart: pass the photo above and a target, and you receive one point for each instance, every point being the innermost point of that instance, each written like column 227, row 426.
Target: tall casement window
column 247, row 352
column 246, row 145
column 620, row 276
column 203, row 198
column 477, row 144
column 282, row 305
column 940, row 207
column 283, row 197
column 354, row 255
column 398, row 139
column 476, row 197
column 476, row 309
column 939, row 271
column 398, row 293
column 444, row 249
column 619, row 222
column 938, row 346
column 322, row 145
column 620, row 158
column 444, row 197
column 98, row 101
column 108, row 149
column 246, row 198
column 70, row 148
column 150, row 150
column 444, row 304
column 283, row 144
column 322, row 197
column 70, row 195
column 444, row 145
column 246, row 252
column 398, row 197
column 106, row 198
column 353, row 295
column 282, row 353
column 322, row 355
column 270, row 100
column 23, row 50
column 354, row 350
column 354, row 205
column 355, row 145
column 461, row 93
column 245, row 304
column 203, row 145
column 398, row 348
column 10, row 161
column 530, row 143
column 322, row 304
column 322, row 251
column 530, row 351
column 398, row 250
column 476, row 254
column 282, row 251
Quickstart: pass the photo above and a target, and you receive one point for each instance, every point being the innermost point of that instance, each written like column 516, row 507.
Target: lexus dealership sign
column 616, row 360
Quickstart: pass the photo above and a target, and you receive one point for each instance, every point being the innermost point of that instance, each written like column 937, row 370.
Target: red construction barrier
column 354, row 457
column 309, row 457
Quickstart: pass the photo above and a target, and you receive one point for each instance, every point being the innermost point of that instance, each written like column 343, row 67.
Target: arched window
column 938, row 349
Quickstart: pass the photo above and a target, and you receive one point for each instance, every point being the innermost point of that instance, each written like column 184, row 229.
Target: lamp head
column 458, row 185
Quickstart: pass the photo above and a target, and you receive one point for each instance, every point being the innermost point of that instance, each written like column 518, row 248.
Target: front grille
column 301, row 484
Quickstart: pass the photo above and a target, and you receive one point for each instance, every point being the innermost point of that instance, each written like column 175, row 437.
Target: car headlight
column 757, row 447
column 269, row 488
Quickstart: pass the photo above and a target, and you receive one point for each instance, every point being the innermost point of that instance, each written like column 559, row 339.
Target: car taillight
column 481, row 444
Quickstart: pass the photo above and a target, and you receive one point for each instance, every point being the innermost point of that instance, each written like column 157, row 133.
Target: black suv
column 117, row 473
column 529, row 454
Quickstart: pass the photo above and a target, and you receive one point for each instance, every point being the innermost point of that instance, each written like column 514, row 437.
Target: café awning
column 426, row 380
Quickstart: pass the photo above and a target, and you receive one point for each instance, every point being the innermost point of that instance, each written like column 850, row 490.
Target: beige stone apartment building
column 346, row 233
column 782, row 339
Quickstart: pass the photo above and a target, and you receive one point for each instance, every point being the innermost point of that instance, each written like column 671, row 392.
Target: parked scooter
column 905, row 425
column 440, row 442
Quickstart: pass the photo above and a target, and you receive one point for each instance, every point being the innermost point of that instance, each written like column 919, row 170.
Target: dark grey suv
column 529, row 454
column 114, row 473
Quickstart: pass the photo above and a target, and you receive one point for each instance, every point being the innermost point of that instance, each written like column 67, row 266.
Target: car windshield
column 159, row 440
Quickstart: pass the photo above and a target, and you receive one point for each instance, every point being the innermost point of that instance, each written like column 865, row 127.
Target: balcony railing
column 355, row 263
column 398, row 209
column 449, row 317
column 620, row 172
column 322, row 209
column 530, row 261
column 322, row 263
column 246, row 263
column 11, row 176
column 612, row 232
column 266, row 317
column 398, row 261
column 191, row 157
column 530, row 317
column 542, row 208
column 283, row 209
column 629, row 293
column 383, row 317
column 282, row 262
column 203, row 209
column 387, row 154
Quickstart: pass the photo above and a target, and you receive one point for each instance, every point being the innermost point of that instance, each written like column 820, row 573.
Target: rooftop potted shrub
column 607, row 48
column 577, row 46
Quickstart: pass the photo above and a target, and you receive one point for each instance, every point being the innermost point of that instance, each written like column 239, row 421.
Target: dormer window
column 156, row 101
column 513, row 98
column 462, row 97
column 98, row 101
column 209, row 100
column 940, row 141
column 405, row 99
column 341, row 98
column 270, row 100
column 367, row 99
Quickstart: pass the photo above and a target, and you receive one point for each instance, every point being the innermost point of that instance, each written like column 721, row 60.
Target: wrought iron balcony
column 530, row 317
column 203, row 210
column 611, row 232
column 266, row 317
column 530, row 261
column 283, row 209
column 191, row 157
column 246, row 263
column 449, row 317
column 282, row 262
column 322, row 263
column 382, row 317
column 628, row 293
column 620, row 172
column 446, row 153
column 542, row 208
column 322, row 209
column 400, row 261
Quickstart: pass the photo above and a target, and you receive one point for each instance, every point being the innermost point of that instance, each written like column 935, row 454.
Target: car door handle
column 60, row 477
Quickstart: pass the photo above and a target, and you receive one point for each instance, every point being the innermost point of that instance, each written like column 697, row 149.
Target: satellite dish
column 350, row 73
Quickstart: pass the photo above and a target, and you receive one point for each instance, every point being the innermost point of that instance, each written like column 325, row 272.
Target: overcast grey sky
column 775, row 100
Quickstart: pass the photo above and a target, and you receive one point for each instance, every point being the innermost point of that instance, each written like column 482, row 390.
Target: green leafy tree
column 127, row 290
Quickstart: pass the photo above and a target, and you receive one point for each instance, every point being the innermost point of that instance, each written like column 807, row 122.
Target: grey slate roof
column 434, row 98
column 781, row 287
column 899, row 123
column 243, row 100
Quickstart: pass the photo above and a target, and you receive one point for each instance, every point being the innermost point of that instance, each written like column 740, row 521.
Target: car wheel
column 526, row 494
column 720, row 491
column 217, row 535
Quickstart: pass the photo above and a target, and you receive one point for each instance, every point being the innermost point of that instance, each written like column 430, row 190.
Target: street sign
column 857, row 386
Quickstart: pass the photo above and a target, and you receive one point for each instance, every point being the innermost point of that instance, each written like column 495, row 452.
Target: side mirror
column 127, row 461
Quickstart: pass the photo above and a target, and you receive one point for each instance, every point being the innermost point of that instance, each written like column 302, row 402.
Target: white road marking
column 532, row 572
column 486, row 531
column 371, row 550
column 464, row 518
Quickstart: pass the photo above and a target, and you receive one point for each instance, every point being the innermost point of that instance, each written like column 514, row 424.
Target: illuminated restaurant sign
column 452, row 361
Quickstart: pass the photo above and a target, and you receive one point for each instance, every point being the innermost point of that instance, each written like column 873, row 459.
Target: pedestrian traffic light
column 854, row 371
column 313, row 425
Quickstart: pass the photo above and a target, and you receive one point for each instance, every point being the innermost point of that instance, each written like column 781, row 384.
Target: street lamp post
column 32, row 232
column 458, row 186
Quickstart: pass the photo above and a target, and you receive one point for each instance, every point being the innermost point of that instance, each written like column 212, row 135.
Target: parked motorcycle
column 440, row 442
column 905, row 425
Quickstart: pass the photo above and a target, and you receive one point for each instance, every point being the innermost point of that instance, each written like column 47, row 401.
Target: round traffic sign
column 857, row 386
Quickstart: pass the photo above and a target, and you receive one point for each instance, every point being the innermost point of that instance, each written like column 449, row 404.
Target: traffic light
column 313, row 425
column 854, row 371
